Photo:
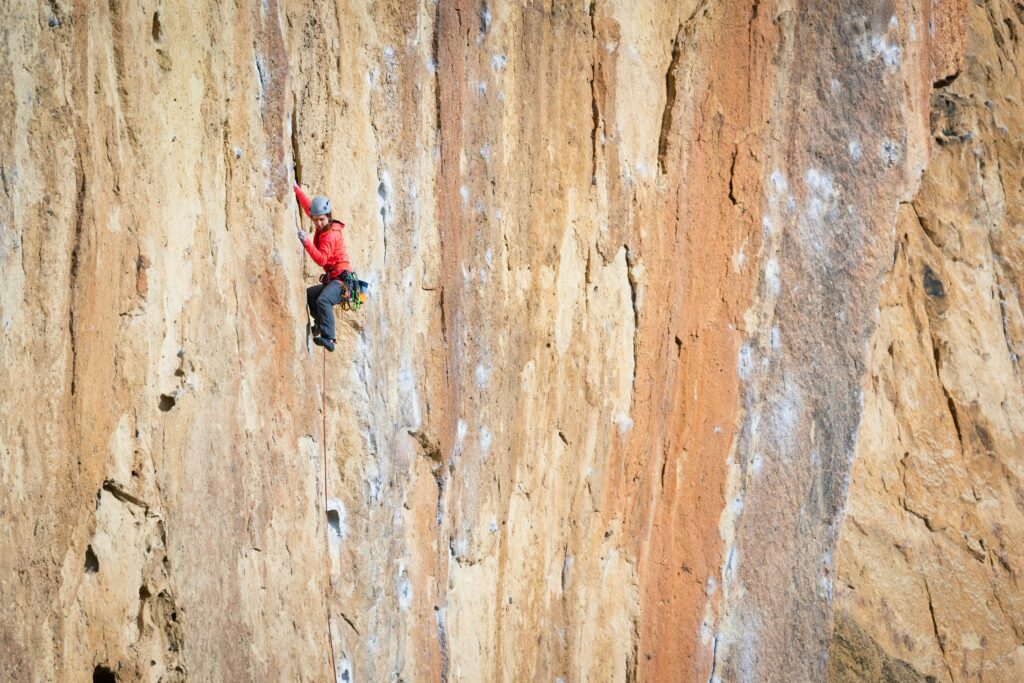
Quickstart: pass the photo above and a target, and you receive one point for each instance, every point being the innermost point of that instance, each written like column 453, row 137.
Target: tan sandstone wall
column 598, row 419
column 931, row 550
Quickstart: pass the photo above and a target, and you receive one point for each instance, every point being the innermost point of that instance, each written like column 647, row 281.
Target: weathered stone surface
column 598, row 419
column 854, row 656
column 932, row 543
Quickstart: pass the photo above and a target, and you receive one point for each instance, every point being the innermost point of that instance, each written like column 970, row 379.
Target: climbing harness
column 353, row 290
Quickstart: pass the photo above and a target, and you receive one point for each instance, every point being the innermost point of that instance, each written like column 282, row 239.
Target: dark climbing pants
column 321, row 300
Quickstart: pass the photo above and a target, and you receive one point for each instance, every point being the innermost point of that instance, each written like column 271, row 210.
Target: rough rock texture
column 598, row 419
column 933, row 544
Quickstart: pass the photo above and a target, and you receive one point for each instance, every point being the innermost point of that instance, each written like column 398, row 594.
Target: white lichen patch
column 854, row 149
column 404, row 590
column 483, row 375
column 889, row 151
column 821, row 193
column 779, row 183
column 772, row 281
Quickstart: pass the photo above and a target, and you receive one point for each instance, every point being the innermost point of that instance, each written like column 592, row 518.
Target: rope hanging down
column 327, row 536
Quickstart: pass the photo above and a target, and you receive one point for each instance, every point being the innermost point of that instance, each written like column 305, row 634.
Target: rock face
column 640, row 392
column 931, row 550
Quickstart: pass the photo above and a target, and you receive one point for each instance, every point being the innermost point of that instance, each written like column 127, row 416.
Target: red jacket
column 327, row 248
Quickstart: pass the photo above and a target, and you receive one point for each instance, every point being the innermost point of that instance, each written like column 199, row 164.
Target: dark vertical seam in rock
column 440, row 480
column 450, row 209
column 954, row 414
column 714, row 658
column 633, row 655
column 935, row 629
column 442, row 634
column 565, row 566
column 436, row 60
column 352, row 624
column 226, row 144
column 382, row 194
column 631, row 281
column 945, row 392
column 595, row 111
column 296, row 155
column 732, row 174
column 595, row 116
column 670, row 99
column 671, row 78
column 444, row 326
column 75, row 256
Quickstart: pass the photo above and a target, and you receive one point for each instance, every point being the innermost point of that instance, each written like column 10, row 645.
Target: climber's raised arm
column 303, row 199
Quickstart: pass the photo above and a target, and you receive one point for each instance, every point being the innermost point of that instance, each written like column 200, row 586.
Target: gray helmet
column 320, row 206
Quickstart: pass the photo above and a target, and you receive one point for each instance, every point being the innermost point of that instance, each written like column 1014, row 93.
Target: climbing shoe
column 315, row 329
column 324, row 342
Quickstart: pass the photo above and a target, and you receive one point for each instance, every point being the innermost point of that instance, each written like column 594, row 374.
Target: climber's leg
column 328, row 298
column 311, row 294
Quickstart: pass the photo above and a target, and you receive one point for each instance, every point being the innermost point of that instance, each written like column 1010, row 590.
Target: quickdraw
column 353, row 294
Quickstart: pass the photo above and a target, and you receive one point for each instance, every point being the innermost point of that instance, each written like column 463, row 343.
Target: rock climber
column 327, row 249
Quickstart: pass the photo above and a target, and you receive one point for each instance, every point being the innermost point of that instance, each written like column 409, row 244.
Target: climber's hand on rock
column 303, row 235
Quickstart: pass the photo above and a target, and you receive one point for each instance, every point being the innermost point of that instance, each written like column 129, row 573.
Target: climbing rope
column 327, row 536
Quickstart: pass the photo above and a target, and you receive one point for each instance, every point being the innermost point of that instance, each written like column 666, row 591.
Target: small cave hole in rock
column 92, row 563
column 102, row 674
column 932, row 284
column 334, row 521
column 166, row 402
column 158, row 28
